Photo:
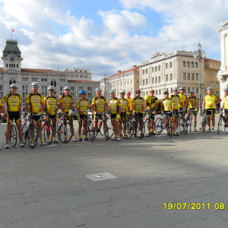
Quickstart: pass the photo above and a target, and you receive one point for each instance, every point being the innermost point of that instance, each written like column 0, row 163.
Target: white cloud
column 114, row 44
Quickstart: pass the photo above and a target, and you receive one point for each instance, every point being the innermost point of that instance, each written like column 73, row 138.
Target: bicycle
column 105, row 132
column 64, row 130
column 182, row 123
column 126, row 127
column 30, row 130
column 222, row 121
column 149, row 117
column 47, row 130
column 161, row 124
column 137, row 125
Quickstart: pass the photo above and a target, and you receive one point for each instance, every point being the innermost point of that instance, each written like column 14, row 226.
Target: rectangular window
column 193, row 76
column 156, row 80
column 197, row 76
column 167, row 77
column 184, row 76
column 24, row 79
column 171, row 77
column 189, row 76
column 159, row 79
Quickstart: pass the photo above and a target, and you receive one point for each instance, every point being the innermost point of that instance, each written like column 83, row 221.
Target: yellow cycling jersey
column 129, row 104
column 123, row 104
column 167, row 104
column 83, row 105
column 225, row 102
column 139, row 104
column 175, row 100
column 51, row 103
column 193, row 102
column 151, row 101
column 114, row 106
column 35, row 101
column 183, row 98
column 100, row 103
column 12, row 101
column 66, row 102
column 210, row 101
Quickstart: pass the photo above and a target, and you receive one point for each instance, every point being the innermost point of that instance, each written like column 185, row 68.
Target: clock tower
column 12, row 56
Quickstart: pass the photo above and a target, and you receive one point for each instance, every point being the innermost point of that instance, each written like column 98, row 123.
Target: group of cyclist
column 118, row 109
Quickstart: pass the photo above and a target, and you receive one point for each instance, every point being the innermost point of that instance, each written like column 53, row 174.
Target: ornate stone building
column 173, row 70
column 223, row 73
column 12, row 72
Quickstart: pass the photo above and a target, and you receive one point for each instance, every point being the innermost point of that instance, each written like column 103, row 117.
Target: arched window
column 192, row 64
column 188, row 64
column 196, row 64
column 184, row 64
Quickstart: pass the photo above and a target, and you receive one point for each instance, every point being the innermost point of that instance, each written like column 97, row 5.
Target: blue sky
column 106, row 36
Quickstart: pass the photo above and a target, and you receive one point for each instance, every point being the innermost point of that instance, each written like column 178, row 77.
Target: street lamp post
column 200, row 55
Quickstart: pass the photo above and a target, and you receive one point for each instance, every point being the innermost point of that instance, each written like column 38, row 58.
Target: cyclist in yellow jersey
column 35, row 105
column 176, row 103
column 124, row 107
column 151, row 103
column 13, row 104
column 66, row 105
column 114, row 110
column 51, row 106
column 225, row 107
column 138, row 105
column 100, row 106
column 167, row 107
column 82, row 107
column 193, row 104
column 209, row 104
column 183, row 102
column 129, row 99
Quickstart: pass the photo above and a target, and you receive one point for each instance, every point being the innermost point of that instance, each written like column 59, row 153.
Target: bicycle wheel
column 203, row 125
column 170, row 127
column 47, row 133
column 183, row 126
column 108, row 131
column 32, row 136
column 146, row 128
column 25, row 128
column 129, row 129
column 13, row 136
column 158, row 126
column 220, row 123
column 90, row 130
column 64, row 132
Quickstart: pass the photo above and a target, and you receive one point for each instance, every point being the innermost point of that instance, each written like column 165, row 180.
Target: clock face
column 12, row 59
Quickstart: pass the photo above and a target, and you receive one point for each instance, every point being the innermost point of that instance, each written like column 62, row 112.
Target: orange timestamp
column 195, row 206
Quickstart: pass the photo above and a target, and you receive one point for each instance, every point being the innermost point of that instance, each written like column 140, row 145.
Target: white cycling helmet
column 209, row 88
column 112, row 92
column 98, row 90
column 192, row 91
column 51, row 88
column 35, row 84
column 14, row 85
column 122, row 91
column 66, row 88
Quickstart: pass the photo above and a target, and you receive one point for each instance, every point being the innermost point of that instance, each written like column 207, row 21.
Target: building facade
column 11, row 72
column 127, row 80
column 223, row 73
column 174, row 70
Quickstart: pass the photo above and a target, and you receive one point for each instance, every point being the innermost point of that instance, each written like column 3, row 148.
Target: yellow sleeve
column 72, row 100
column 106, row 101
column 61, row 99
column 147, row 98
column 42, row 98
column 133, row 102
column 93, row 101
column 78, row 106
column 57, row 101
column 4, row 99
column 27, row 99
column 45, row 99
column 89, row 106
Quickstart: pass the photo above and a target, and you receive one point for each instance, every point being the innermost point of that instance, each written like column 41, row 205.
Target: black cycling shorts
column 210, row 112
column 11, row 116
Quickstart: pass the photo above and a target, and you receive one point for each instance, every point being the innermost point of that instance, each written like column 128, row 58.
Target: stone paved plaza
column 65, row 186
